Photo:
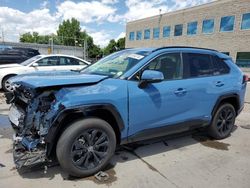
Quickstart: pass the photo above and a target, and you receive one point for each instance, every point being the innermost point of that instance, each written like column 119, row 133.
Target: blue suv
column 131, row 95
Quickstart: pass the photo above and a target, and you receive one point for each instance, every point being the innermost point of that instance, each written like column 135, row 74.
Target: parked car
column 12, row 55
column 129, row 96
column 55, row 62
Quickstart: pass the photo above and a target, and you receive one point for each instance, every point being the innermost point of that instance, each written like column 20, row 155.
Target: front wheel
column 223, row 121
column 86, row 147
column 6, row 85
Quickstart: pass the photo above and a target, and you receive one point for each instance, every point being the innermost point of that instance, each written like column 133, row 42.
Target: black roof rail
column 191, row 47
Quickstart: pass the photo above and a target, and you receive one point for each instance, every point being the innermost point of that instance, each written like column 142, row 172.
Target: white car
column 54, row 62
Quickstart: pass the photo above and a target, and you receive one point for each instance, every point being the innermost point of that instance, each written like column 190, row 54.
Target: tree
column 121, row 43
column 110, row 48
column 114, row 46
column 69, row 32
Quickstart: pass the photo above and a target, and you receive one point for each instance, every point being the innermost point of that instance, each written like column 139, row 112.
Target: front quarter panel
column 109, row 91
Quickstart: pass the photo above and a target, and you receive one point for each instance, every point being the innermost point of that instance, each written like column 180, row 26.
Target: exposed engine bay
column 31, row 117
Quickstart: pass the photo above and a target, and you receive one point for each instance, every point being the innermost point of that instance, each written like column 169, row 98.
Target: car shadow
column 129, row 152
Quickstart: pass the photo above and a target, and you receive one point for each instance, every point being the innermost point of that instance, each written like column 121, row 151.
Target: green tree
column 69, row 32
column 110, row 48
column 121, row 43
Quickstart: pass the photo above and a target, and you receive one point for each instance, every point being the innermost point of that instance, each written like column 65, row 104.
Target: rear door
column 205, row 85
column 70, row 63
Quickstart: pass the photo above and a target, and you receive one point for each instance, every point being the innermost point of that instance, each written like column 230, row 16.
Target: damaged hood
column 56, row 79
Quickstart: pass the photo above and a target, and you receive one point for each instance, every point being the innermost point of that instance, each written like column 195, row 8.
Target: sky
column 102, row 19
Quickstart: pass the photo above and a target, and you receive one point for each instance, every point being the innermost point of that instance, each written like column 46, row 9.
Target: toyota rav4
column 128, row 96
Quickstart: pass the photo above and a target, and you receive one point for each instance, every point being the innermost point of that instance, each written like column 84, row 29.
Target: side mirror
column 150, row 76
column 34, row 65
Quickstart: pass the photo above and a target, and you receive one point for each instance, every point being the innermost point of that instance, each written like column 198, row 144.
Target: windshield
column 28, row 61
column 116, row 64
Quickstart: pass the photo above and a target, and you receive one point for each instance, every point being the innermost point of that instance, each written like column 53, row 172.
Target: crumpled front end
column 31, row 115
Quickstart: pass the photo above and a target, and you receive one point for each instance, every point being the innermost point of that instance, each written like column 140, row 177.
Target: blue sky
column 102, row 19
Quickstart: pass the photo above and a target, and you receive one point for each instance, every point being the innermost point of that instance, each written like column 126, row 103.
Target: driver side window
column 169, row 64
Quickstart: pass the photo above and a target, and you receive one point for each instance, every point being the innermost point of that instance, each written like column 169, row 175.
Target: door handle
column 180, row 91
column 219, row 84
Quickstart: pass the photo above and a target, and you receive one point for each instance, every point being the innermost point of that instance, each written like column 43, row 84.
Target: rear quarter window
column 220, row 67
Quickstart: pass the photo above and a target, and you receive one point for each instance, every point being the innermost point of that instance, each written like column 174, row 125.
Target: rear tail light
column 245, row 79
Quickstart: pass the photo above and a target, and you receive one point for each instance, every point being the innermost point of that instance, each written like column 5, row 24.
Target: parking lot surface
column 187, row 160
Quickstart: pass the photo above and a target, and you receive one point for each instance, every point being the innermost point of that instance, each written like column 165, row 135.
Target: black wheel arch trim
column 56, row 126
column 227, row 96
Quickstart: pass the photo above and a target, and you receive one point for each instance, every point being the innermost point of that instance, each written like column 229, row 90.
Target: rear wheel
column 86, row 147
column 7, row 87
column 223, row 121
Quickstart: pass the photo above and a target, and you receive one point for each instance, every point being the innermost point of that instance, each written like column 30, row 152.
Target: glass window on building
column 243, row 59
column 245, row 24
column 132, row 36
column 178, row 30
column 156, row 33
column 147, row 34
column 208, row 26
column 227, row 23
column 138, row 35
column 192, row 28
column 166, row 31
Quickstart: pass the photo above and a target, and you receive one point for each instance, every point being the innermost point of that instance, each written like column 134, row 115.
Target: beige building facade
column 223, row 25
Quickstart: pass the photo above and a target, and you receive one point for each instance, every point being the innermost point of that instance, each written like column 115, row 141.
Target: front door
column 159, row 104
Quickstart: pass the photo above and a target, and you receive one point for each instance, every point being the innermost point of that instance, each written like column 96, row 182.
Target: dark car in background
column 13, row 55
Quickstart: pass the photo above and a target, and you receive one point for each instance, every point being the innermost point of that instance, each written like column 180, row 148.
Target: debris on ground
column 102, row 176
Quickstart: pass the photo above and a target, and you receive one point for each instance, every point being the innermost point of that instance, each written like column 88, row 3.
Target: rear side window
column 220, row 67
column 197, row 65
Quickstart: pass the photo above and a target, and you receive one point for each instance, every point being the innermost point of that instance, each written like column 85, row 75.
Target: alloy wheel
column 225, row 120
column 90, row 149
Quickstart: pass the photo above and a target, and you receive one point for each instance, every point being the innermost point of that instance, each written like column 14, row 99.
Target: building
column 223, row 25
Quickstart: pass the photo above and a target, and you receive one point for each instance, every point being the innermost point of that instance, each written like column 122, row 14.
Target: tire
column 223, row 121
column 5, row 84
column 75, row 146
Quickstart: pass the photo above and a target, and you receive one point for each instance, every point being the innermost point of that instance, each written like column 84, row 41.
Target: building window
column 132, row 36
column 227, row 23
column 243, row 59
column 156, row 33
column 166, row 31
column 178, row 30
column 147, row 34
column 138, row 35
column 245, row 24
column 192, row 28
column 208, row 26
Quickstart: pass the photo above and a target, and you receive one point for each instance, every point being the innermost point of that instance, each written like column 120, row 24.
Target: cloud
column 85, row 11
column 101, row 38
column 121, row 35
column 15, row 22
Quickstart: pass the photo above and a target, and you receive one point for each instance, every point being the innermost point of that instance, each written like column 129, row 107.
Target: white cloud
column 86, row 12
column 101, row 38
column 109, row 1
column 14, row 22
column 121, row 35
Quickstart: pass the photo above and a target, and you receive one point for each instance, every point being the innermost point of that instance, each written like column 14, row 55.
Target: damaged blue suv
column 131, row 95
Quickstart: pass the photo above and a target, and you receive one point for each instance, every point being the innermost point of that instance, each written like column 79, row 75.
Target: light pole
column 51, row 44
